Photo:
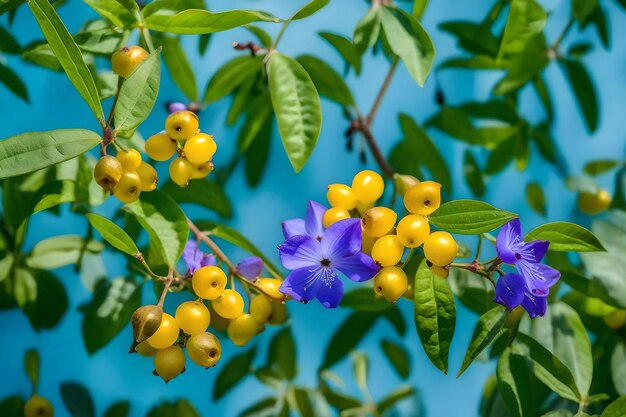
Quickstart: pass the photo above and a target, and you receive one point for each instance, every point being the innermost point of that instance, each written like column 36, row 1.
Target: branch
column 382, row 92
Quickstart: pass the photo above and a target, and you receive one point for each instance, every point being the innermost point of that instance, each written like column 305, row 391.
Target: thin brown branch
column 382, row 92
column 362, row 126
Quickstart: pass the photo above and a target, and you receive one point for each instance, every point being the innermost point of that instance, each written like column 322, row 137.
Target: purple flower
column 195, row 258
column 311, row 225
column 316, row 260
column 250, row 268
column 531, row 286
column 174, row 106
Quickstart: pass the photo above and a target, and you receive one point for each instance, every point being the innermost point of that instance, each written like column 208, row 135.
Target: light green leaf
column 122, row 13
column 138, row 95
column 259, row 115
column 232, row 373
column 419, row 6
column 32, row 151
column 109, row 311
column 618, row 367
column 68, row 54
column 31, row 366
column 196, row 22
column 526, row 18
column 178, row 67
column 475, row 294
column 77, row 400
column 566, row 237
column 524, row 66
column 41, row 297
column 112, row 233
column 489, row 327
column 616, row 409
column 204, row 193
column 584, row 91
column 281, row 354
column 165, row 223
column 230, row 76
column 367, row 30
column 310, row 8
column 396, row 396
column 329, row 84
column 469, row 217
column 435, row 315
column 398, row 357
column 408, row 39
column 345, row 48
column 59, row 251
column 297, row 107
column 535, row 197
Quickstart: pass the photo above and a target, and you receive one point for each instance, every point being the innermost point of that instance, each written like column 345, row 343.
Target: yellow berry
column 440, row 248
column 38, row 406
column 229, row 305
column 166, row 334
column 594, row 203
column 160, row 147
column 271, row 288
column 144, row 349
column 378, row 221
column 363, row 207
column 242, row 329
column 149, row 177
column 368, row 186
column 391, row 283
column 130, row 159
column 204, row 349
column 413, row 230
column 181, row 171
column 169, row 362
column 616, row 319
column 261, row 308
column 440, row 271
column 182, row 125
column 367, row 242
column 279, row 314
column 108, row 172
column 340, row 195
column 200, row 148
column 423, row 198
column 193, row 317
column 333, row 215
column 202, row 170
column 126, row 59
column 387, row 250
column 209, row 282
column 218, row 322
column 128, row 188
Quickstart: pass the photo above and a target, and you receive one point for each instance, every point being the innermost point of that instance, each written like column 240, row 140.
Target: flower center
column 325, row 262
column 518, row 256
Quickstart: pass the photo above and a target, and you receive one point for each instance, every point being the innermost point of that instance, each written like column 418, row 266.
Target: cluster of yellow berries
column 125, row 175
column 182, row 136
column 385, row 240
column 163, row 336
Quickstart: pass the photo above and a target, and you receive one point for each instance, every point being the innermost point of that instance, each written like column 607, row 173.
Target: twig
column 382, row 92
column 168, row 282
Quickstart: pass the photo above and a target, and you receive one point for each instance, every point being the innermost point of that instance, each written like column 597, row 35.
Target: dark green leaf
column 348, row 336
column 475, row 38
column 524, row 66
column 514, row 384
column 196, row 22
column 258, row 154
column 281, row 353
column 489, row 326
column 77, row 400
column 203, row 193
column 473, row 292
column 616, row 409
column 435, row 315
column 12, row 406
column 41, row 296
column 618, row 368
column 469, row 217
column 297, row 107
column 329, row 84
column 32, row 151
column 232, row 373
column 582, row 9
column 395, row 397
column 120, row 409
column 473, row 176
column 398, row 357
column 179, row 67
column 419, row 6
column 584, row 91
column 345, row 48
column 8, row 44
column 535, row 197
column 259, row 115
column 363, row 299
column 566, row 237
column 600, row 166
column 13, row 82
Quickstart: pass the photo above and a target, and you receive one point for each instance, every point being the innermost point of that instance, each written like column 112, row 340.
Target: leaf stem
column 145, row 33
column 382, row 91
column 479, row 248
column 279, row 36
column 168, row 282
column 562, row 35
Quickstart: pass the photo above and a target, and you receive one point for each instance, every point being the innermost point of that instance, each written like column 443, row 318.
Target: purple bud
column 174, row 106
column 250, row 268
column 208, row 260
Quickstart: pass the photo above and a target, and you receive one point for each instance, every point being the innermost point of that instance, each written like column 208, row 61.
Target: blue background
column 112, row 374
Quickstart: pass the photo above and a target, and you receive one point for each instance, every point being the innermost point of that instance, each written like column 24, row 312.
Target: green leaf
column 68, row 54
column 582, row 9
column 120, row 409
column 281, row 354
column 345, row 48
column 261, row 35
column 302, row 400
column 309, row 9
column 514, row 384
column 408, row 39
column 31, row 366
column 475, row 38
column 547, row 367
column 204, row 193
column 559, row 413
column 266, row 407
column 196, row 22
column 473, row 176
column 348, row 336
column 618, row 368
column 59, row 251
column 600, row 166
column 489, row 326
column 328, row 83
column 109, row 311
column 230, row 76
column 435, row 315
column 475, row 294
column 566, row 237
column 398, row 356
column 360, row 369
column 12, row 406
column 77, row 400
column 138, row 94
column 524, row 66
column 32, row 151
column 259, row 115
column 112, row 233
column 363, row 299
column 180, row 408
column 8, row 44
column 178, row 67
column 122, row 13
column 396, row 396
column 616, row 409
column 41, row 296
column 535, row 197
column 584, row 91
column 13, row 82
column 232, row 373
column 258, row 153
column 469, row 217
column 419, row 6
column 475, row 62
column 526, row 18
column 165, row 223
column 297, row 108
column 367, row 30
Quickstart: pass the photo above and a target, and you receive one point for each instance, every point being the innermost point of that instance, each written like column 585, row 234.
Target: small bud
column 250, row 268
column 174, row 106
column 404, row 182
column 145, row 322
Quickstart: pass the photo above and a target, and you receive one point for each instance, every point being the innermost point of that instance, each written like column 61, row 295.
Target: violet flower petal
column 538, row 277
column 314, row 219
column 250, row 268
column 342, row 239
column 358, row 267
column 510, row 235
column 510, row 290
column 302, row 284
column 301, row 251
column 535, row 305
column 293, row 227
column 192, row 256
column 533, row 251
column 330, row 294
